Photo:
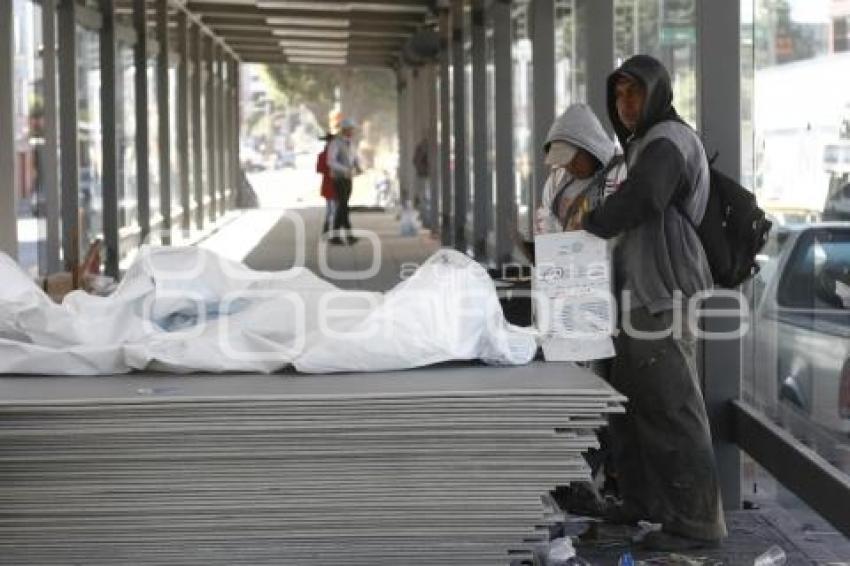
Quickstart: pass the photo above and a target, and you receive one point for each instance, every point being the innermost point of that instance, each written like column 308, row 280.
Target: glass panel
column 665, row 29
column 128, row 199
column 796, row 157
column 89, row 132
column 522, row 76
column 29, row 138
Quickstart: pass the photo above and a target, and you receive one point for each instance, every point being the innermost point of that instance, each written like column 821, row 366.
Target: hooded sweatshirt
column 577, row 126
column 659, row 253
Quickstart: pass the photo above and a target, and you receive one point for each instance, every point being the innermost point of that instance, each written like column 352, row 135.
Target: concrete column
column 506, row 213
column 110, row 103
column 183, row 120
column 483, row 191
column 445, row 130
column 719, row 118
column 69, row 142
column 543, row 93
column 461, row 173
column 599, row 17
column 163, row 104
column 8, row 205
column 142, row 157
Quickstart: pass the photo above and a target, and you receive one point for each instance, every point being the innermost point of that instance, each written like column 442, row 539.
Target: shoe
column 659, row 541
column 621, row 514
column 336, row 240
column 352, row 240
column 580, row 499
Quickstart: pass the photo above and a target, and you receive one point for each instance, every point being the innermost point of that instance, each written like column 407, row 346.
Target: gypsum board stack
column 443, row 465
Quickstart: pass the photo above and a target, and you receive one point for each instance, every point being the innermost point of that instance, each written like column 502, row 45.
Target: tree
column 365, row 94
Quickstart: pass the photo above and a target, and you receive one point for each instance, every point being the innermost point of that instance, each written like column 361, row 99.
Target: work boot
column 659, row 541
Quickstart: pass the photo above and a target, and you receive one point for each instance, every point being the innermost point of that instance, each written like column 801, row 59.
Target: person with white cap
column 586, row 168
column 344, row 165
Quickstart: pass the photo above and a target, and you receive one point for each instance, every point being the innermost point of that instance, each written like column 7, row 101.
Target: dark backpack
column 733, row 230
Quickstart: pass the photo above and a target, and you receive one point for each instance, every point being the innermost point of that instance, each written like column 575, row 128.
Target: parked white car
column 802, row 334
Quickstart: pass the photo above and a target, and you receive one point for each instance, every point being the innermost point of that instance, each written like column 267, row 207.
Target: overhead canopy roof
column 317, row 32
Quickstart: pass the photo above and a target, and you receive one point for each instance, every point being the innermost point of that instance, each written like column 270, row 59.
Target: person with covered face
column 586, row 168
column 662, row 445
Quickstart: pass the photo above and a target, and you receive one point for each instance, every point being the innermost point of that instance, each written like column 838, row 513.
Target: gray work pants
column 662, row 448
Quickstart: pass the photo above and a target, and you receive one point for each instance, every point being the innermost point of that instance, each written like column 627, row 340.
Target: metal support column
column 234, row 155
column 433, row 162
column 69, row 157
column 197, row 126
column 506, row 213
column 461, row 174
column 401, row 112
column 183, row 120
column 483, row 188
column 719, row 83
column 50, row 166
column 445, row 130
column 225, row 129
column 140, row 57
column 209, row 89
column 221, row 113
column 110, row 106
column 8, row 206
column 543, row 93
column 163, row 104
column 599, row 17
column 719, row 115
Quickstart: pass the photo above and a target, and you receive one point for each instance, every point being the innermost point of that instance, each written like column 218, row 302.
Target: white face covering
column 560, row 153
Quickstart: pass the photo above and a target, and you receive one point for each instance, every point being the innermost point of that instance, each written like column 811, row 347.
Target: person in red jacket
column 328, row 190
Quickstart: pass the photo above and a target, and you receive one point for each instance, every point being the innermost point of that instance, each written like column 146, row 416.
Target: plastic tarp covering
column 189, row 310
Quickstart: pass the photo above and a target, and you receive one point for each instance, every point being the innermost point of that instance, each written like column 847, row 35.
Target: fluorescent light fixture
column 312, row 61
column 311, row 55
column 312, row 44
column 311, row 22
column 304, row 53
column 343, row 6
column 380, row 34
column 313, row 33
column 316, row 50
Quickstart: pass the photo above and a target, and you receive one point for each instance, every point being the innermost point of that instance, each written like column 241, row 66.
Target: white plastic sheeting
column 186, row 310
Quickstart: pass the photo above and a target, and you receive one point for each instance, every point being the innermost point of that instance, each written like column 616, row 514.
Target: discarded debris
column 773, row 556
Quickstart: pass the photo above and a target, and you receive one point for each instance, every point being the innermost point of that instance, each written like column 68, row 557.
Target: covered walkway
column 120, row 126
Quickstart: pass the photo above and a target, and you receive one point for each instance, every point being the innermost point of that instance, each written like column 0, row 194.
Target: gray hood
column 580, row 127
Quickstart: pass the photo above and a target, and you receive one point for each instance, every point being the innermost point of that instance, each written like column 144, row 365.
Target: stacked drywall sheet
column 443, row 465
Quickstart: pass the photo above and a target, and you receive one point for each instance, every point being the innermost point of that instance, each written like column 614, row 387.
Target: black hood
column 659, row 95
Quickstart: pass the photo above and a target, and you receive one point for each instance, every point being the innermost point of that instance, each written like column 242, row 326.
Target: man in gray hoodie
column 662, row 444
